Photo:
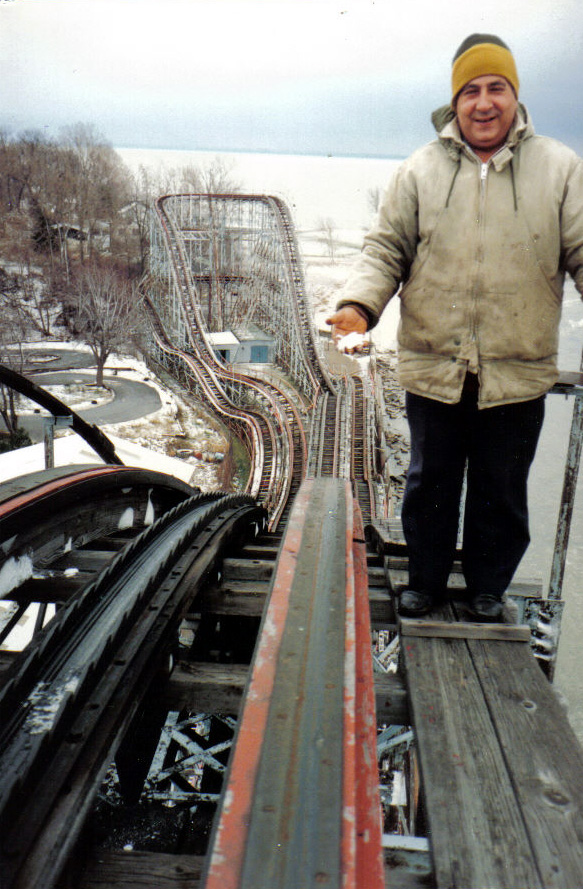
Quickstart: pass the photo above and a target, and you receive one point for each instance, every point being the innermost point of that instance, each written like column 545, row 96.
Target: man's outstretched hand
column 344, row 322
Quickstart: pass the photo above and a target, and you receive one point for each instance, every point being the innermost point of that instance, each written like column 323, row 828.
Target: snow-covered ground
column 178, row 439
column 326, row 274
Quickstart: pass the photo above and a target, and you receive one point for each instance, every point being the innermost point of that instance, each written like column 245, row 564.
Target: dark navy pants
column 498, row 445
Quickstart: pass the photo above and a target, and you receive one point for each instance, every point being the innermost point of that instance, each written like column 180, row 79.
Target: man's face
column 485, row 110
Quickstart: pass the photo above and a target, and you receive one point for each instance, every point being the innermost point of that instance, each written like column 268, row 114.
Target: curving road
column 132, row 399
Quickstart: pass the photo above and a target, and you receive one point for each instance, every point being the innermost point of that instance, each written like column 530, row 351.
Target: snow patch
column 126, row 519
column 352, row 341
column 46, row 702
column 14, row 572
column 149, row 517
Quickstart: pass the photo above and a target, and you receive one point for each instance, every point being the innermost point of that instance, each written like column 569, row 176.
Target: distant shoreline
column 315, row 187
column 243, row 151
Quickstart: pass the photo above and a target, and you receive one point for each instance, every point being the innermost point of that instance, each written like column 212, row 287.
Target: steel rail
column 49, row 517
column 78, row 483
column 32, row 666
column 87, row 671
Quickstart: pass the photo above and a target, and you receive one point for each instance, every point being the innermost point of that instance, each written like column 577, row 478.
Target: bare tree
column 374, row 199
column 108, row 313
column 135, row 230
column 99, row 181
column 14, row 333
column 214, row 178
column 328, row 230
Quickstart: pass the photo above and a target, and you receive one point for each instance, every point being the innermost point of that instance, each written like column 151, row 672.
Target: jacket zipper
column 482, row 212
column 480, row 251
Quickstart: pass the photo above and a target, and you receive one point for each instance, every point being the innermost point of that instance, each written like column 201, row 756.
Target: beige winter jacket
column 480, row 252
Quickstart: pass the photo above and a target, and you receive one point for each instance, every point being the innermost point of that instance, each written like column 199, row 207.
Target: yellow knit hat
column 482, row 54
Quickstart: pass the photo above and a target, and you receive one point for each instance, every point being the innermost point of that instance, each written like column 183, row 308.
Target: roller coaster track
column 273, row 433
column 136, row 561
column 285, row 223
column 150, row 601
column 67, row 699
column 276, row 417
column 226, row 389
column 362, row 452
column 195, row 704
column 303, row 328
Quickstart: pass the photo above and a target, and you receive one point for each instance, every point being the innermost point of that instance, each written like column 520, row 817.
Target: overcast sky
column 305, row 76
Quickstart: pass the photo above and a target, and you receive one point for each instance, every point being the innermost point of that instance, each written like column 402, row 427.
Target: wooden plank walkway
column 502, row 770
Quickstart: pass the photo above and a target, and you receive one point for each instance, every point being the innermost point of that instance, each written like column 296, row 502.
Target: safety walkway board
column 502, row 770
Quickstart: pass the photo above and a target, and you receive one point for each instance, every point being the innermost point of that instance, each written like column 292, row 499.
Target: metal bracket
column 50, row 424
column 543, row 616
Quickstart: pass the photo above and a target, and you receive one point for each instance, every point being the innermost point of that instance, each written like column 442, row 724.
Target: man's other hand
column 344, row 322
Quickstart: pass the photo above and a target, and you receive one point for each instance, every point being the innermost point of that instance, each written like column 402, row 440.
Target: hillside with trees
column 74, row 238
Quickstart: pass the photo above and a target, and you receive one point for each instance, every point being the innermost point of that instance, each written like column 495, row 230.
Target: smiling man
column 475, row 233
column 485, row 104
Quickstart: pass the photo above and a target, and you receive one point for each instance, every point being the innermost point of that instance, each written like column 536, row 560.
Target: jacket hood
column 445, row 122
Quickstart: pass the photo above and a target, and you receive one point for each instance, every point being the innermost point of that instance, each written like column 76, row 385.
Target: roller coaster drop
column 220, row 262
column 144, row 572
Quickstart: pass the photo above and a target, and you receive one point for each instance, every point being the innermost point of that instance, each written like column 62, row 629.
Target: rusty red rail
column 301, row 803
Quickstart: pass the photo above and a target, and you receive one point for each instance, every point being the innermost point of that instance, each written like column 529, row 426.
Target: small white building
column 245, row 345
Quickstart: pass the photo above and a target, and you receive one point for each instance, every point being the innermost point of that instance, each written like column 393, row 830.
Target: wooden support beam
column 142, row 870
column 381, row 605
column 462, row 630
column 399, row 579
column 7, row 659
column 236, row 597
column 391, row 700
column 247, row 569
column 264, row 552
column 247, row 598
column 158, row 870
column 219, row 688
column 207, row 688
column 91, row 560
column 56, row 588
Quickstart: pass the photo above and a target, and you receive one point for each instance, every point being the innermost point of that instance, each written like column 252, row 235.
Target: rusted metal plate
column 225, row 861
column 299, row 807
column 369, row 856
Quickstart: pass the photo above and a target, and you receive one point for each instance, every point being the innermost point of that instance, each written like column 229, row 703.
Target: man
column 476, row 232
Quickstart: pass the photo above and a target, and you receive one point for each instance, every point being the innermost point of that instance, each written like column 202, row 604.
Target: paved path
column 132, row 399
column 53, row 358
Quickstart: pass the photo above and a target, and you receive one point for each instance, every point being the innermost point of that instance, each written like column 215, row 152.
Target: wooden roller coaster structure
column 131, row 572
column 196, row 706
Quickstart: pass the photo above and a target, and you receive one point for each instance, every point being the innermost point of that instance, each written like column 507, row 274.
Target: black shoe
column 413, row 604
column 487, row 607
